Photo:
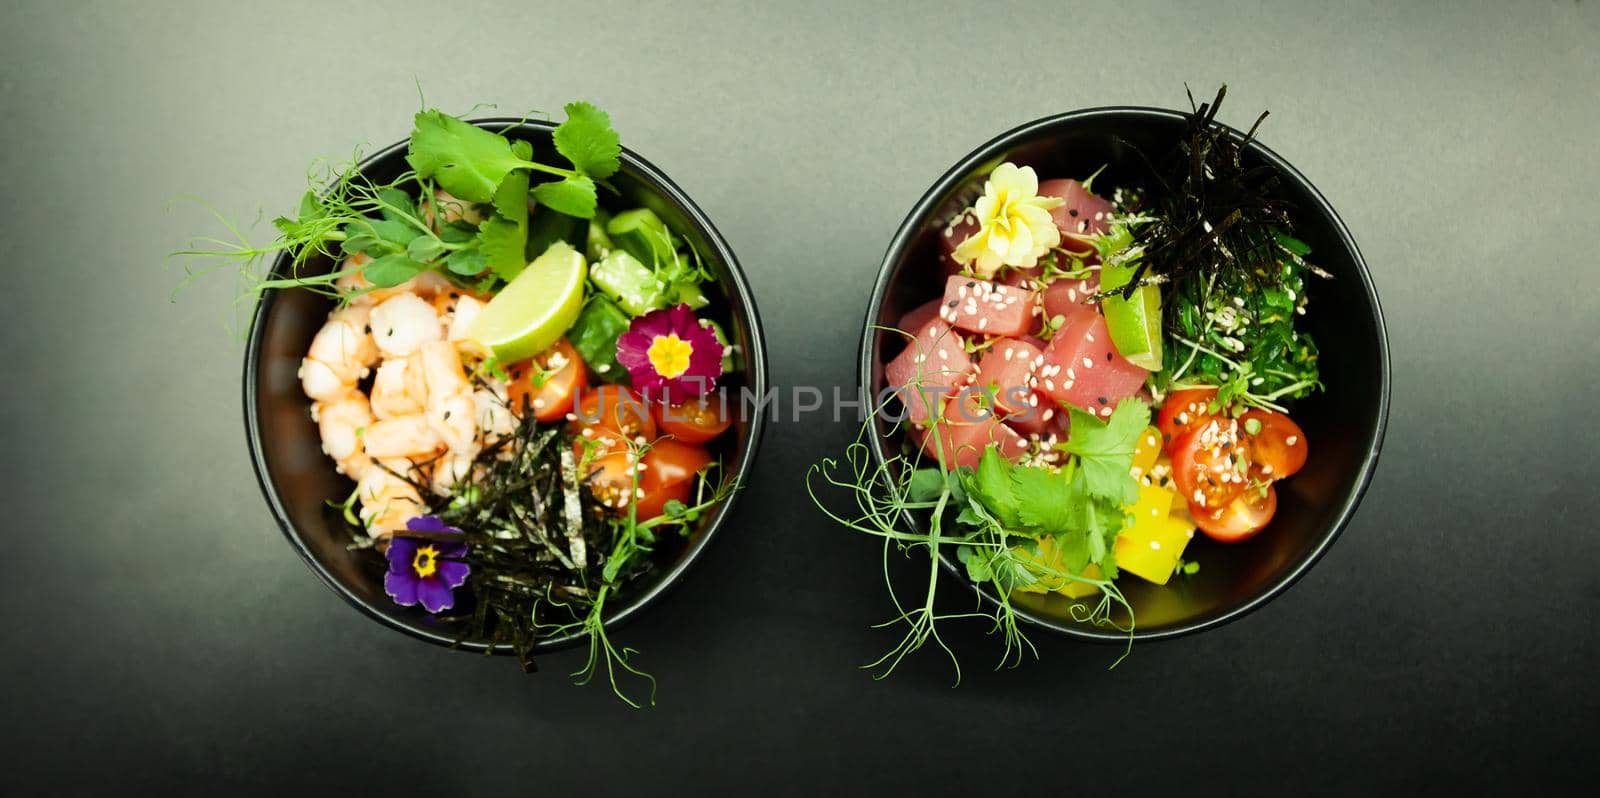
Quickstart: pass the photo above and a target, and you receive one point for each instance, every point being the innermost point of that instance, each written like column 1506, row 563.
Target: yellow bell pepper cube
column 1151, row 548
column 1146, row 451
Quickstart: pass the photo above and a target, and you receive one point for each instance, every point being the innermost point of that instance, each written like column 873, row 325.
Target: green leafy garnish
column 465, row 159
column 587, row 140
column 573, row 195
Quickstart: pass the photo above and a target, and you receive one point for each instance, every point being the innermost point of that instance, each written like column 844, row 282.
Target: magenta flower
column 670, row 355
column 425, row 571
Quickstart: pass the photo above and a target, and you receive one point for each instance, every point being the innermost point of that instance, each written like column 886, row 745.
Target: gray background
column 160, row 632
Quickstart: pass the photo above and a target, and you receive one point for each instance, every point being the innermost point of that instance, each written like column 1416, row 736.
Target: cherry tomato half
column 560, row 374
column 1241, row 519
column 1277, row 446
column 614, row 408
column 694, row 421
column 1211, row 464
column 1183, row 411
column 666, row 474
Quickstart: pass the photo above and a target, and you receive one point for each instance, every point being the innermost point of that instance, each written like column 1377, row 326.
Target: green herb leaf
column 457, row 233
column 466, row 262
column 392, row 270
column 573, row 196
column 587, row 140
column 926, row 484
column 424, row 248
column 397, row 205
column 464, row 159
column 502, row 243
column 1105, row 449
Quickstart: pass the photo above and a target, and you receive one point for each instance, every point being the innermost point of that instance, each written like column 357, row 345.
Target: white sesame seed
column 1088, row 363
column 1199, row 497
column 1155, row 545
column 1292, row 440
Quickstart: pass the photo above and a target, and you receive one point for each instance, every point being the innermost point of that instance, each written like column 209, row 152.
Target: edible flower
column 670, row 355
column 425, row 571
column 1014, row 223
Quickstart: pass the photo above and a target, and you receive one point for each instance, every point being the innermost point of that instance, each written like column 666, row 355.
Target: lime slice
column 535, row 308
column 1135, row 326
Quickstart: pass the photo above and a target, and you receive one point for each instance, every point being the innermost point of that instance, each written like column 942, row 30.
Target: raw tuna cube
column 1039, row 417
column 1083, row 214
column 1065, row 297
column 965, row 435
column 1082, row 368
column 951, row 237
column 936, row 362
column 919, row 316
column 1007, row 369
column 1021, row 278
column 986, row 307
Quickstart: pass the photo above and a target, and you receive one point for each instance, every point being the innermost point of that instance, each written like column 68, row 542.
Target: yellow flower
column 1014, row 223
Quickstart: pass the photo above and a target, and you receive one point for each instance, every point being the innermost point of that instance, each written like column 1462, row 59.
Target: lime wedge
column 1135, row 326
column 535, row 308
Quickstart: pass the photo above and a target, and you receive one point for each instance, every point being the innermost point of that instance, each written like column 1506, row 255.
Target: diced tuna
column 965, row 435
column 918, row 317
column 1066, row 297
column 951, row 237
column 1082, row 214
column 1007, row 369
column 1081, row 367
column 932, row 366
column 987, row 307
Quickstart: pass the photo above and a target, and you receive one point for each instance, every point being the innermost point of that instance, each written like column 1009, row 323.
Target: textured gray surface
column 161, row 633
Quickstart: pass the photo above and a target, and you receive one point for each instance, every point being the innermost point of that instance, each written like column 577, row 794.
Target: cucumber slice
column 643, row 235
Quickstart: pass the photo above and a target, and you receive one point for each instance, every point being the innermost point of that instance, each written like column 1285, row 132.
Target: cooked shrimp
column 441, row 368
column 402, row 436
column 402, row 323
column 346, row 349
column 454, row 419
column 387, row 501
column 451, row 470
column 341, row 423
column 494, row 416
column 395, row 388
column 319, row 381
column 466, row 311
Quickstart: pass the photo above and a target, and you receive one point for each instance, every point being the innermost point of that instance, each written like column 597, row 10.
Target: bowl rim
column 756, row 359
column 926, row 205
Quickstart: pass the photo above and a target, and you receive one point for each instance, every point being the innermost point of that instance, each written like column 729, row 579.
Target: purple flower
column 670, row 355
column 425, row 571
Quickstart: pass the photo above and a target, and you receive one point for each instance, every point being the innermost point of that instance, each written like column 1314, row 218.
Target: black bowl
column 298, row 480
column 1344, row 424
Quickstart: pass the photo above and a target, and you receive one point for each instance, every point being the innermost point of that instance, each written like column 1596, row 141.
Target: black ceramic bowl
column 1344, row 424
column 298, row 480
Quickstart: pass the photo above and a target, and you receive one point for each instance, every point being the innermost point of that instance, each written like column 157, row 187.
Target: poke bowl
column 1180, row 581
column 349, row 547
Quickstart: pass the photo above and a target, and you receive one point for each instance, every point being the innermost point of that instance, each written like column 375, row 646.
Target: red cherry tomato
column 1241, row 519
column 694, row 421
column 1210, row 464
column 616, row 409
column 1277, row 446
column 666, row 474
column 1183, row 411
column 560, row 374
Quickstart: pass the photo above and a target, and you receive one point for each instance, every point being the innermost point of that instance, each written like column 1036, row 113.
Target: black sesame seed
column 971, row 284
column 1072, row 212
column 954, row 303
column 1101, row 399
column 1108, row 357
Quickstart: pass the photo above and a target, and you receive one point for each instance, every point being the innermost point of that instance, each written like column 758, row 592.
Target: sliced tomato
column 694, row 421
column 549, row 382
column 1184, row 410
column 1210, row 464
column 1277, row 446
column 617, row 409
column 1241, row 519
column 666, row 474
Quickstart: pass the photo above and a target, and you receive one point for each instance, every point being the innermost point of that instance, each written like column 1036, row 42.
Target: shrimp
column 341, row 422
column 494, row 417
column 401, row 436
column 354, row 286
column 454, row 419
column 452, row 469
column 398, row 388
column 387, row 501
column 402, row 323
column 441, row 367
column 346, row 349
column 466, row 311
column 356, row 290
column 319, row 381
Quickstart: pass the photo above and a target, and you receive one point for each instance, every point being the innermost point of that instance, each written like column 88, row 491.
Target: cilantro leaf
column 587, row 140
column 573, row 196
column 465, row 159
column 501, row 241
column 511, row 198
column 1105, row 449
column 391, row 270
column 991, row 484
